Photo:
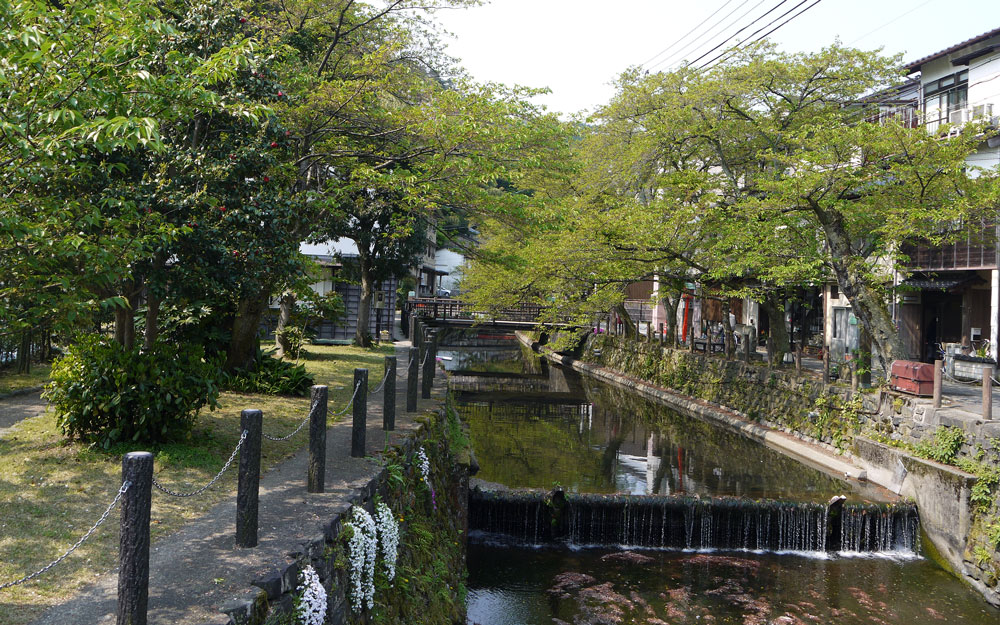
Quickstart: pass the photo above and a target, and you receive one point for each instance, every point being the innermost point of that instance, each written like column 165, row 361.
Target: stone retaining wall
column 431, row 562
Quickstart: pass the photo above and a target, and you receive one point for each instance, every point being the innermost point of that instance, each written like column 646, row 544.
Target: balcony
column 969, row 254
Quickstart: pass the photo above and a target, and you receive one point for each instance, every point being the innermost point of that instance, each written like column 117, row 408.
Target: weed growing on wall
column 362, row 545
column 388, row 538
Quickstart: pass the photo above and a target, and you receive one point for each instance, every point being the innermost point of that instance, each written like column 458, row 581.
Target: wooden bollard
column 389, row 395
column 429, row 356
column 360, row 424
column 248, row 489
column 133, row 550
column 938, row 371
column 826, row 365
column 662, row 336
column 319, row 398
column 987, row 393
column 412, row 371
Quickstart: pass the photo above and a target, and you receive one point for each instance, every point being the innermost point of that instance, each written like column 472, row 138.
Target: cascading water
column 665, row 522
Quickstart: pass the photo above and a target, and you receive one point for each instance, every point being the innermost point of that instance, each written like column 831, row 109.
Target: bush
column 271, row 376
column 106, row 394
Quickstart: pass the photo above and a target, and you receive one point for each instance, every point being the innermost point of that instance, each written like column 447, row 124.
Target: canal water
column 536, row 426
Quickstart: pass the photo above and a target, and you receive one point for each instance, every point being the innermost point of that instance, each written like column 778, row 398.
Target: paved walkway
column 196, row 571
column 19, row 407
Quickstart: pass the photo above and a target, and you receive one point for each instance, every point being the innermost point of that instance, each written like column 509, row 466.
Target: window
column 945, row 96
column 834, row 292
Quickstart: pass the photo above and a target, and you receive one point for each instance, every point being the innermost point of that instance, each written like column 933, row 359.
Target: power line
column 699, row 37
column 688, row 33
column 892, row 21
column 771, row 10
column 751, row 40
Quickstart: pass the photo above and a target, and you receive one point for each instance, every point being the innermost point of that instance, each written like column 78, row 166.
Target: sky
column 576, row 48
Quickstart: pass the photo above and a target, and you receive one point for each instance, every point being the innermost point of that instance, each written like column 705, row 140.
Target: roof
column 913, row 66
column 941, row 283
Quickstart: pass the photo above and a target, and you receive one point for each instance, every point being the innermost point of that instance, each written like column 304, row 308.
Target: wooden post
column 430, row 354
column 412, row 371
column 248, row 489
column 855, row 378
column 389, row 395
column 747, row 347
column 317, row 439
column 662, row 335
column 133, row 550
column 360, row 424
column 798, row 359
column 826, row 365
column 987, row 393
column 938, row 369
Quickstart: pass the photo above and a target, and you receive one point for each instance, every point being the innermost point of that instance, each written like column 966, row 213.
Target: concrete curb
column 730, row 419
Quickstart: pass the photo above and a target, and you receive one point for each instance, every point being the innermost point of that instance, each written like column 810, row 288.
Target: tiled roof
column 915, row 65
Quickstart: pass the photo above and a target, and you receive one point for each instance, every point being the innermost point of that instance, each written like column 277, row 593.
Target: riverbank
column 817, row 424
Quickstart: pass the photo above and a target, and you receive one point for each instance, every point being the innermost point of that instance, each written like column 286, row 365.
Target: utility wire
column 892, row 21
column 727, row 40
column 686, row 35
column 751, row 40
column 681, row 52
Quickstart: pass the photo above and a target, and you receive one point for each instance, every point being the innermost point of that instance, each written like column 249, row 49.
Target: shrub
column 944, row 447
column 106, row 394
column 271, row 376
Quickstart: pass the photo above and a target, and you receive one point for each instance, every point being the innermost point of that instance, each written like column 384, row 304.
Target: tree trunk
column 670, row 305
column 629, row 328
column 361, row 336
column 152, row 330
column 244, row 341
column 287, row 302
column 774, row 306
column 24, row 353
column 867, row 303
column 125, row 325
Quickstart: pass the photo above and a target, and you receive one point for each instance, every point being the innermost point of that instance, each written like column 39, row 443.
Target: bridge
column 454, row 312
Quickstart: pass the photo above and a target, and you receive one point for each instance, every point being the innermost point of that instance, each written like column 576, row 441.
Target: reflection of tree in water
column 696, row 457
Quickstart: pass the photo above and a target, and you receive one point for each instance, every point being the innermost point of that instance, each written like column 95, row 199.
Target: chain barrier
column 215, row 479
column 357, row 388
column 381, row 384
column 279, row 439
column 104, row 517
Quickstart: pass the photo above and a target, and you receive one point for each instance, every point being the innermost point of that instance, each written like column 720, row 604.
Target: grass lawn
column 10, row 381
column 52, row 490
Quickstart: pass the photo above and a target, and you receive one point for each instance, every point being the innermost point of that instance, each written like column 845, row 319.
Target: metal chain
column 104, row 517
column 215, row 479
column 357, row 388
column 285, row 438
column 381, row 384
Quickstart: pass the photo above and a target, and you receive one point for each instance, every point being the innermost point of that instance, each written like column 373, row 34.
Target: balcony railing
column 968, row 254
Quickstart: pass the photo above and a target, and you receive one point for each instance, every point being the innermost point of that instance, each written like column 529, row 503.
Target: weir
column 676, row 522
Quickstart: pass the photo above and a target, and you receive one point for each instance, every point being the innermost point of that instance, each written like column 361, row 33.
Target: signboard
column 380, row 300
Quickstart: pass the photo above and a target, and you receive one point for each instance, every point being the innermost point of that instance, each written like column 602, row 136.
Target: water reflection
column 536, row 426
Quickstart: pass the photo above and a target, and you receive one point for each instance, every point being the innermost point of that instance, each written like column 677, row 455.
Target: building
column 951, row 293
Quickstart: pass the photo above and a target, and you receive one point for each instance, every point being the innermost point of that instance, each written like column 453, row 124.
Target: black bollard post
column 428, row 366
column 133, row 551
column 248, row 490
column 412, row 372
column 360, row 414
column 317, row 439
column 389, row 395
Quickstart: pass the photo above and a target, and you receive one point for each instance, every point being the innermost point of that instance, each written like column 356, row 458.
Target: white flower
column 312, row 598
column 361, row 553
column 424, row 465
column 388, row 534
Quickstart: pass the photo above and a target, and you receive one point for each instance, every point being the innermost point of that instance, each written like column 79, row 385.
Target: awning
column 941, row 283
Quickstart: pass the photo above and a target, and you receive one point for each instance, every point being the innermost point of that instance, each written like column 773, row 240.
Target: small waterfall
column 671, row 522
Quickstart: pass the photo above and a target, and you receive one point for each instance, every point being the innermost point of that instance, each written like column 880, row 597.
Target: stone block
column 290, row 577
column 270, row 583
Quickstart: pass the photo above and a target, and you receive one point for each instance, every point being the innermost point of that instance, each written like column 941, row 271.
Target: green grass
column 10, row 381
column 52, row 489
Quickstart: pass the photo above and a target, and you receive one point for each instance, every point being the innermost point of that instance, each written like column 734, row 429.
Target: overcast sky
column 577, row 47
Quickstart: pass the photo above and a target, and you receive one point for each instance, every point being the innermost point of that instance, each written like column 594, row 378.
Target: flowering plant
column 388, row 533
column 425, row 471
column 311, row 608
column 361, row 548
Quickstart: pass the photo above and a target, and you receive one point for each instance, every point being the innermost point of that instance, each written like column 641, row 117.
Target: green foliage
column 270, row 376
column 106, row 394
column 943, row 447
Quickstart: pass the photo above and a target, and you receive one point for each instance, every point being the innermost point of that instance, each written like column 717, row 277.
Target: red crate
column 916, row 378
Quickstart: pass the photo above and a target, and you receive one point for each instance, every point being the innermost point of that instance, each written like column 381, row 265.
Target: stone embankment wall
column 961, row 519
column 430, row 570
